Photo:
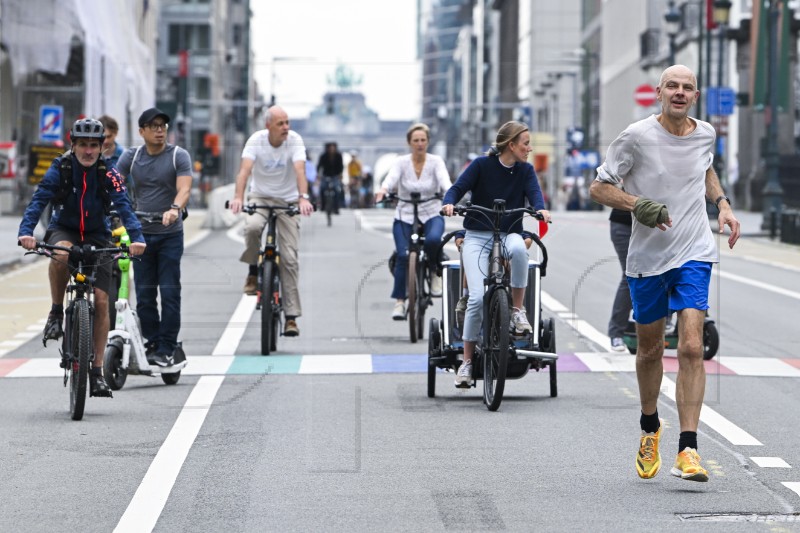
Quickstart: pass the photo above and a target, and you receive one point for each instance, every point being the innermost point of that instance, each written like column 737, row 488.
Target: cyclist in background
column 276, row 157
column 502, row 174
column 80, row 217
column 112, row 150
column 426, row 174
column 330, row 168
column 354, row 173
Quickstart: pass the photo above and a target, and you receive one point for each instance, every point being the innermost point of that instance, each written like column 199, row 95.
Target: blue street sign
column 51, row 123
column 720, row 100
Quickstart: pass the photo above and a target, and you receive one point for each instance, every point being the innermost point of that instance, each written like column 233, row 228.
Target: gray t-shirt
column 672, row 170
column 155, row 181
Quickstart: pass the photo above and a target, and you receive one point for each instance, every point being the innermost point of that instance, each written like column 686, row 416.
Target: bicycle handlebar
column 290, row 209
column 463, row 209
column 413, row 200
column 85, row 252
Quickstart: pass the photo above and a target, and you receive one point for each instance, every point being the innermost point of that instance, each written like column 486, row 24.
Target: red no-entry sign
column 645, row 95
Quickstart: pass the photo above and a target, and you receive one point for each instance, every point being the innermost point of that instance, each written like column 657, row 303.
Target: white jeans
column 475, row 254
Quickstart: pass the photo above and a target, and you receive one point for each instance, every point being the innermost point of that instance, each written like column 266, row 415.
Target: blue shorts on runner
column 656, row 297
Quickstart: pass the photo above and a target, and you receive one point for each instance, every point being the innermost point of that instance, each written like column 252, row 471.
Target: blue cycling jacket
column 83, row 210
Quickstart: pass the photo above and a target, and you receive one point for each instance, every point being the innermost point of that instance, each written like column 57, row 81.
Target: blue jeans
column 475, row 252
column 328, row 182
column 159, row 270
column 433, row 228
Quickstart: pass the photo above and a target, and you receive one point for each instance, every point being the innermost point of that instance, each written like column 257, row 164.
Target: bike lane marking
column 232, row 336
column 148, row 502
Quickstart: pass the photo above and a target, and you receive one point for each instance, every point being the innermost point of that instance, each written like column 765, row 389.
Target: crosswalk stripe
column 201, row 365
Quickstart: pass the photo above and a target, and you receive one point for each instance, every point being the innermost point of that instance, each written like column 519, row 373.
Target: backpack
column 132, row 184
column 65, row 187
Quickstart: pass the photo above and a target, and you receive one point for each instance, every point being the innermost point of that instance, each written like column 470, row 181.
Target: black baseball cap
column 151, row 114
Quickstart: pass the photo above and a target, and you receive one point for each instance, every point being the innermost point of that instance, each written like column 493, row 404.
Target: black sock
column 96, row 371
column 688, row 439
column 290, row 317
column 650, row 423
column 57, row 309
column 252, row 270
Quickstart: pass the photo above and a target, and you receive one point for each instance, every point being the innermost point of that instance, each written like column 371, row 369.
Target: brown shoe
column 251, row 285
column 290, row 329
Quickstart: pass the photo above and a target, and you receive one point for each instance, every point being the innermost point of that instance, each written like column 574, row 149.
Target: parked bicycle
column 419, row 273
column 77, row 345
column 497, row 354
column 269, row 298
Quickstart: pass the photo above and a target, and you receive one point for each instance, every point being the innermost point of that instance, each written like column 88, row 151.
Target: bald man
column 666, row 161
column 275, row 157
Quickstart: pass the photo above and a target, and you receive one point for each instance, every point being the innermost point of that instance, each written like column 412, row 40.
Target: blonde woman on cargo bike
column 426, row 174
column 503, row 174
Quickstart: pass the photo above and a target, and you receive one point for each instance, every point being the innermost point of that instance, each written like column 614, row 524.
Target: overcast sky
column 298, row 44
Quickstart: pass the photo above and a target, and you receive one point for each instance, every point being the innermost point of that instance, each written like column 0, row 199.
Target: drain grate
column 741, row 517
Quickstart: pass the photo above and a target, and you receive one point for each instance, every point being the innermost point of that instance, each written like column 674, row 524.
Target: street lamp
column 722, row 9
column 772, row 195
column 673, row 25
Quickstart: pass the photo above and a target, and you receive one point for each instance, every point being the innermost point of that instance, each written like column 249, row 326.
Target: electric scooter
column 710, row 337
column 125, row 352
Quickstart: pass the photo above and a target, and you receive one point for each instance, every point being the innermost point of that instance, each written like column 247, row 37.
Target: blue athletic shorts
column 685, row 287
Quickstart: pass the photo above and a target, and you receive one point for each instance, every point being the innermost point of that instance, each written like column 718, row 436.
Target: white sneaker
column 399, row 311
column 520, row 321
column 464, row 376
column 618, row 344
column 436, row 284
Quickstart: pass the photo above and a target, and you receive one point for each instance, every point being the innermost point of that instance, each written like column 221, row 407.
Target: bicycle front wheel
column 268, row 318
column 411, row 293
column 81, row 347
column 495, row 353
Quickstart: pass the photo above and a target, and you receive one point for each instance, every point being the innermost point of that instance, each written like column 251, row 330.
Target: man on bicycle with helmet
column 80, row 185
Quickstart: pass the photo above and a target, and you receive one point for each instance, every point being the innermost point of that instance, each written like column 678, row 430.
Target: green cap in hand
column 650, row 213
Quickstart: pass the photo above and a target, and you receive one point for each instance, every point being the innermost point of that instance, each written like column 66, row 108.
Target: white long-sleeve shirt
column 403, row 180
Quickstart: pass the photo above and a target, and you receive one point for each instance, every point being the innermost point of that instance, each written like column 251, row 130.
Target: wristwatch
column 719, row 199
column 175, row 206
column 305, row 196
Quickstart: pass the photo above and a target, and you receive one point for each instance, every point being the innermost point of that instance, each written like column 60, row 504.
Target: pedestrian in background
column 112, row 150
column 620, row 230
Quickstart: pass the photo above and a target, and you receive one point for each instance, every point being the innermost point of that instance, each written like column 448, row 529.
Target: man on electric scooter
column 80, row 217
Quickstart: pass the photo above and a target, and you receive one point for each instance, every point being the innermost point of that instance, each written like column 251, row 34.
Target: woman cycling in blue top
column 502, row 174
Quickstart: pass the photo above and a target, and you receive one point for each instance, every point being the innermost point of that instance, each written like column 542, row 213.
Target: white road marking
column 792, row 485
column 232, row 336
column 760, row 285
column 760, row 366
column 770, row 462
column 147, row 504
column 336, row 364
column 611, row 362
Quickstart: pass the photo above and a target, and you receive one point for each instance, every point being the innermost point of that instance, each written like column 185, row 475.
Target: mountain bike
column 497, row 352
column 126, row 340
column 77, row 345
column 268, row 295
column 419, row 273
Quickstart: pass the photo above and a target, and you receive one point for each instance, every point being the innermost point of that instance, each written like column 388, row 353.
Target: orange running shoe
column 687, row 466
